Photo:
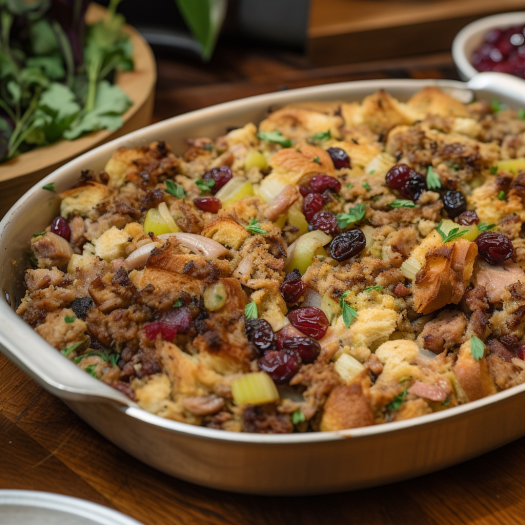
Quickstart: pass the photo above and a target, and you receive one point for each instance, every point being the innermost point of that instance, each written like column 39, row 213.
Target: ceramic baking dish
column 251, row 463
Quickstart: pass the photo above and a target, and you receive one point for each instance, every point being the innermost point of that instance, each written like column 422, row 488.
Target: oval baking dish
column 251, row 463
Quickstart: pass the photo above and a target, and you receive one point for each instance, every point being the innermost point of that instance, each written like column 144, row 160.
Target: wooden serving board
column 24, row 171
column 344, row 31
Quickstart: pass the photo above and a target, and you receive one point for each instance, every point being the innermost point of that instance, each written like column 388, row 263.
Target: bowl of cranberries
column 494, row 43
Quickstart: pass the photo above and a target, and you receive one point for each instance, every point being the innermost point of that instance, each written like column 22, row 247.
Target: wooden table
column 44, row 446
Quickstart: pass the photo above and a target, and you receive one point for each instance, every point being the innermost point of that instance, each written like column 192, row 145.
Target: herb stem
column 8, row 110
column 14, row 140
column 94, row 68
column 67, row 52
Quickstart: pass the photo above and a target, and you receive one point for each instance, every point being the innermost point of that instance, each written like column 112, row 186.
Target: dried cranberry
column 211, row 204
column 307, row 349
column 494, row 247
column 454, row 203
column 259, row 332
column 177, row 320
column 398, row 175
column 280, row 366
column 339, row 157
column 322, row 182
column 305, row 190
column 348, row 244
column 59, row 226
column 167, row 332
column 520, row 353
column 325, row 221
column 292, row 288
column 414, row 186
column 220, row 175
column 468, row 218
column 286, row 334
column 312, row 204
column 310, row 320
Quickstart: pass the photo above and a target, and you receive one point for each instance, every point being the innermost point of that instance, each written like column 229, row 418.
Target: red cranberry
column 348, row 244
column 167, row 331
column 210, row 204
column 312, row 204
column 414, row 186
column 468, row 218
column 322, row 182
column 177, row 320
column 305, row 190
column 339, row 157
column 220, row 175
column 494, row 247
column 59, row 226
column 454, row 203
column 397, row 176
column 310, row 320
column 292, row 288
column 291, row 339
column 286, row 334
column 325, row 221
column 280, row 366
column 260, row 334
column 520, row 353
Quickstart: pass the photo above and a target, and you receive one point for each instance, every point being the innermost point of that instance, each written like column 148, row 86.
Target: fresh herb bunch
column 56, row 74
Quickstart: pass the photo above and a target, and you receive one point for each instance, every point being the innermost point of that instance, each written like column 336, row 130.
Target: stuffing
column 112, row 244
column 82, row 199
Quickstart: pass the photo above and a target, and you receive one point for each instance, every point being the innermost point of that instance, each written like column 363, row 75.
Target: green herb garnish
column 370, row 288
column 366, row 186
column 69, row 319
column 451, row 235
column 349, row 314
column 250, row 311
column 177, row 303
column 371, row 172
column 113, row 359
column 319, row 137
column 317, row 159
column 501, row 195
column 397, row 401
column 49, row 187
column 208, row 146
column 255, row 227
column 401, row 203
column 66, row 351
column 349, row 185
column 477, row 348
column 275, row 136
column 446, row 402
column 483, row 226
column 91, row 370
column 493, row 170
column 205, row 185
column 175, row 189
column 298, row 417
column 354, row 214
column 496, row 105
column 521, row 114
column 433, row 180
column 39, row 234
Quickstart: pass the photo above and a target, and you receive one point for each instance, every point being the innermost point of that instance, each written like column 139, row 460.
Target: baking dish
column 251, row 463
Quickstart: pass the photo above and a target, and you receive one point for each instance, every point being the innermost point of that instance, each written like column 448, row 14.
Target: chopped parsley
column 69, row 319
column 175, row 189
column 275, row 136
column 454, row 233
column 446, row 402
column 493, row 170
column 521, row 114
column 91, row 370
column 402, row 203
column 397, row 401
column 354, row 214
column 496, row 105
column 39, row 234
column 433, row 180
column 177, row 303
column 250, row 311
column 371, row 172
column 349, row 185
column 49, row 187
column 205, row 185
column 319, row 137
column 113, row 358
column 477, row 348
column 208, row 146
column 298, row 417
column 366, row 186
column 255, row 227
column 317, row 159
column 483, row 226
column 66, row 351
column 349, row 314
column 370, row 288
column 501, row 195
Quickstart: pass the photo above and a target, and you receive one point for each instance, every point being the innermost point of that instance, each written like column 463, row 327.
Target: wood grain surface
column 44, row 446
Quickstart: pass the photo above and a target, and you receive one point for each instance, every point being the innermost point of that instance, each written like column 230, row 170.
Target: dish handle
column 500, row 84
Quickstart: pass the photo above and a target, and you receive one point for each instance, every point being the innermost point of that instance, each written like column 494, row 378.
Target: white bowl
column 471, row 36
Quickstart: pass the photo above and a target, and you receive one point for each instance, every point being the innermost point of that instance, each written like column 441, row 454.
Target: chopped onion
column 139, row 257
column 167, row 218
column 198, row 244
column 312, row 298
column 410, row 268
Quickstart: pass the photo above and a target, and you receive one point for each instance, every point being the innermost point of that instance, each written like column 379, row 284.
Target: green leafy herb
column 366, row 186
column 493, row 170
column 275, row 136
column 49, row 187
column 66, row 351
column 370, row 288
column 349, row 314
column 483, row 226
column 205, row 185
column 371, row 172
column 349, row 185
column 521, row 114
column 250, row 311
column 175, row 189
column 397, row 401
column 317, row 159
column 446, row 402
column 354, row 215
column 255, row 227
column 298, row 417
column 501, row 195
column 319, row 137
column 114, row 358
column 433, row 180
column 208, row 146
column 91, row 370
column 401, row 203
column 496, row 105
column 477, row 348
column 39, row 234
column 69, row 319
column 177, row 303
column 451, row 235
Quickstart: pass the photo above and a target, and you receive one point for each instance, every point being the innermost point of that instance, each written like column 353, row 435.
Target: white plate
column 27, row 507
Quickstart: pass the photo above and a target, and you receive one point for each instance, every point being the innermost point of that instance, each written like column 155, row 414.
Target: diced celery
column 331, row 308
column 256, row 388
column 513, row 165
column 410, row 267
column 348, row 367
column 155, row 223
column 167, row 218
column 470, row 235
column 255, row 159
column 234, row 190
column 296, row 218
column 306, row 248
column 281, row 221
column 215, row 297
